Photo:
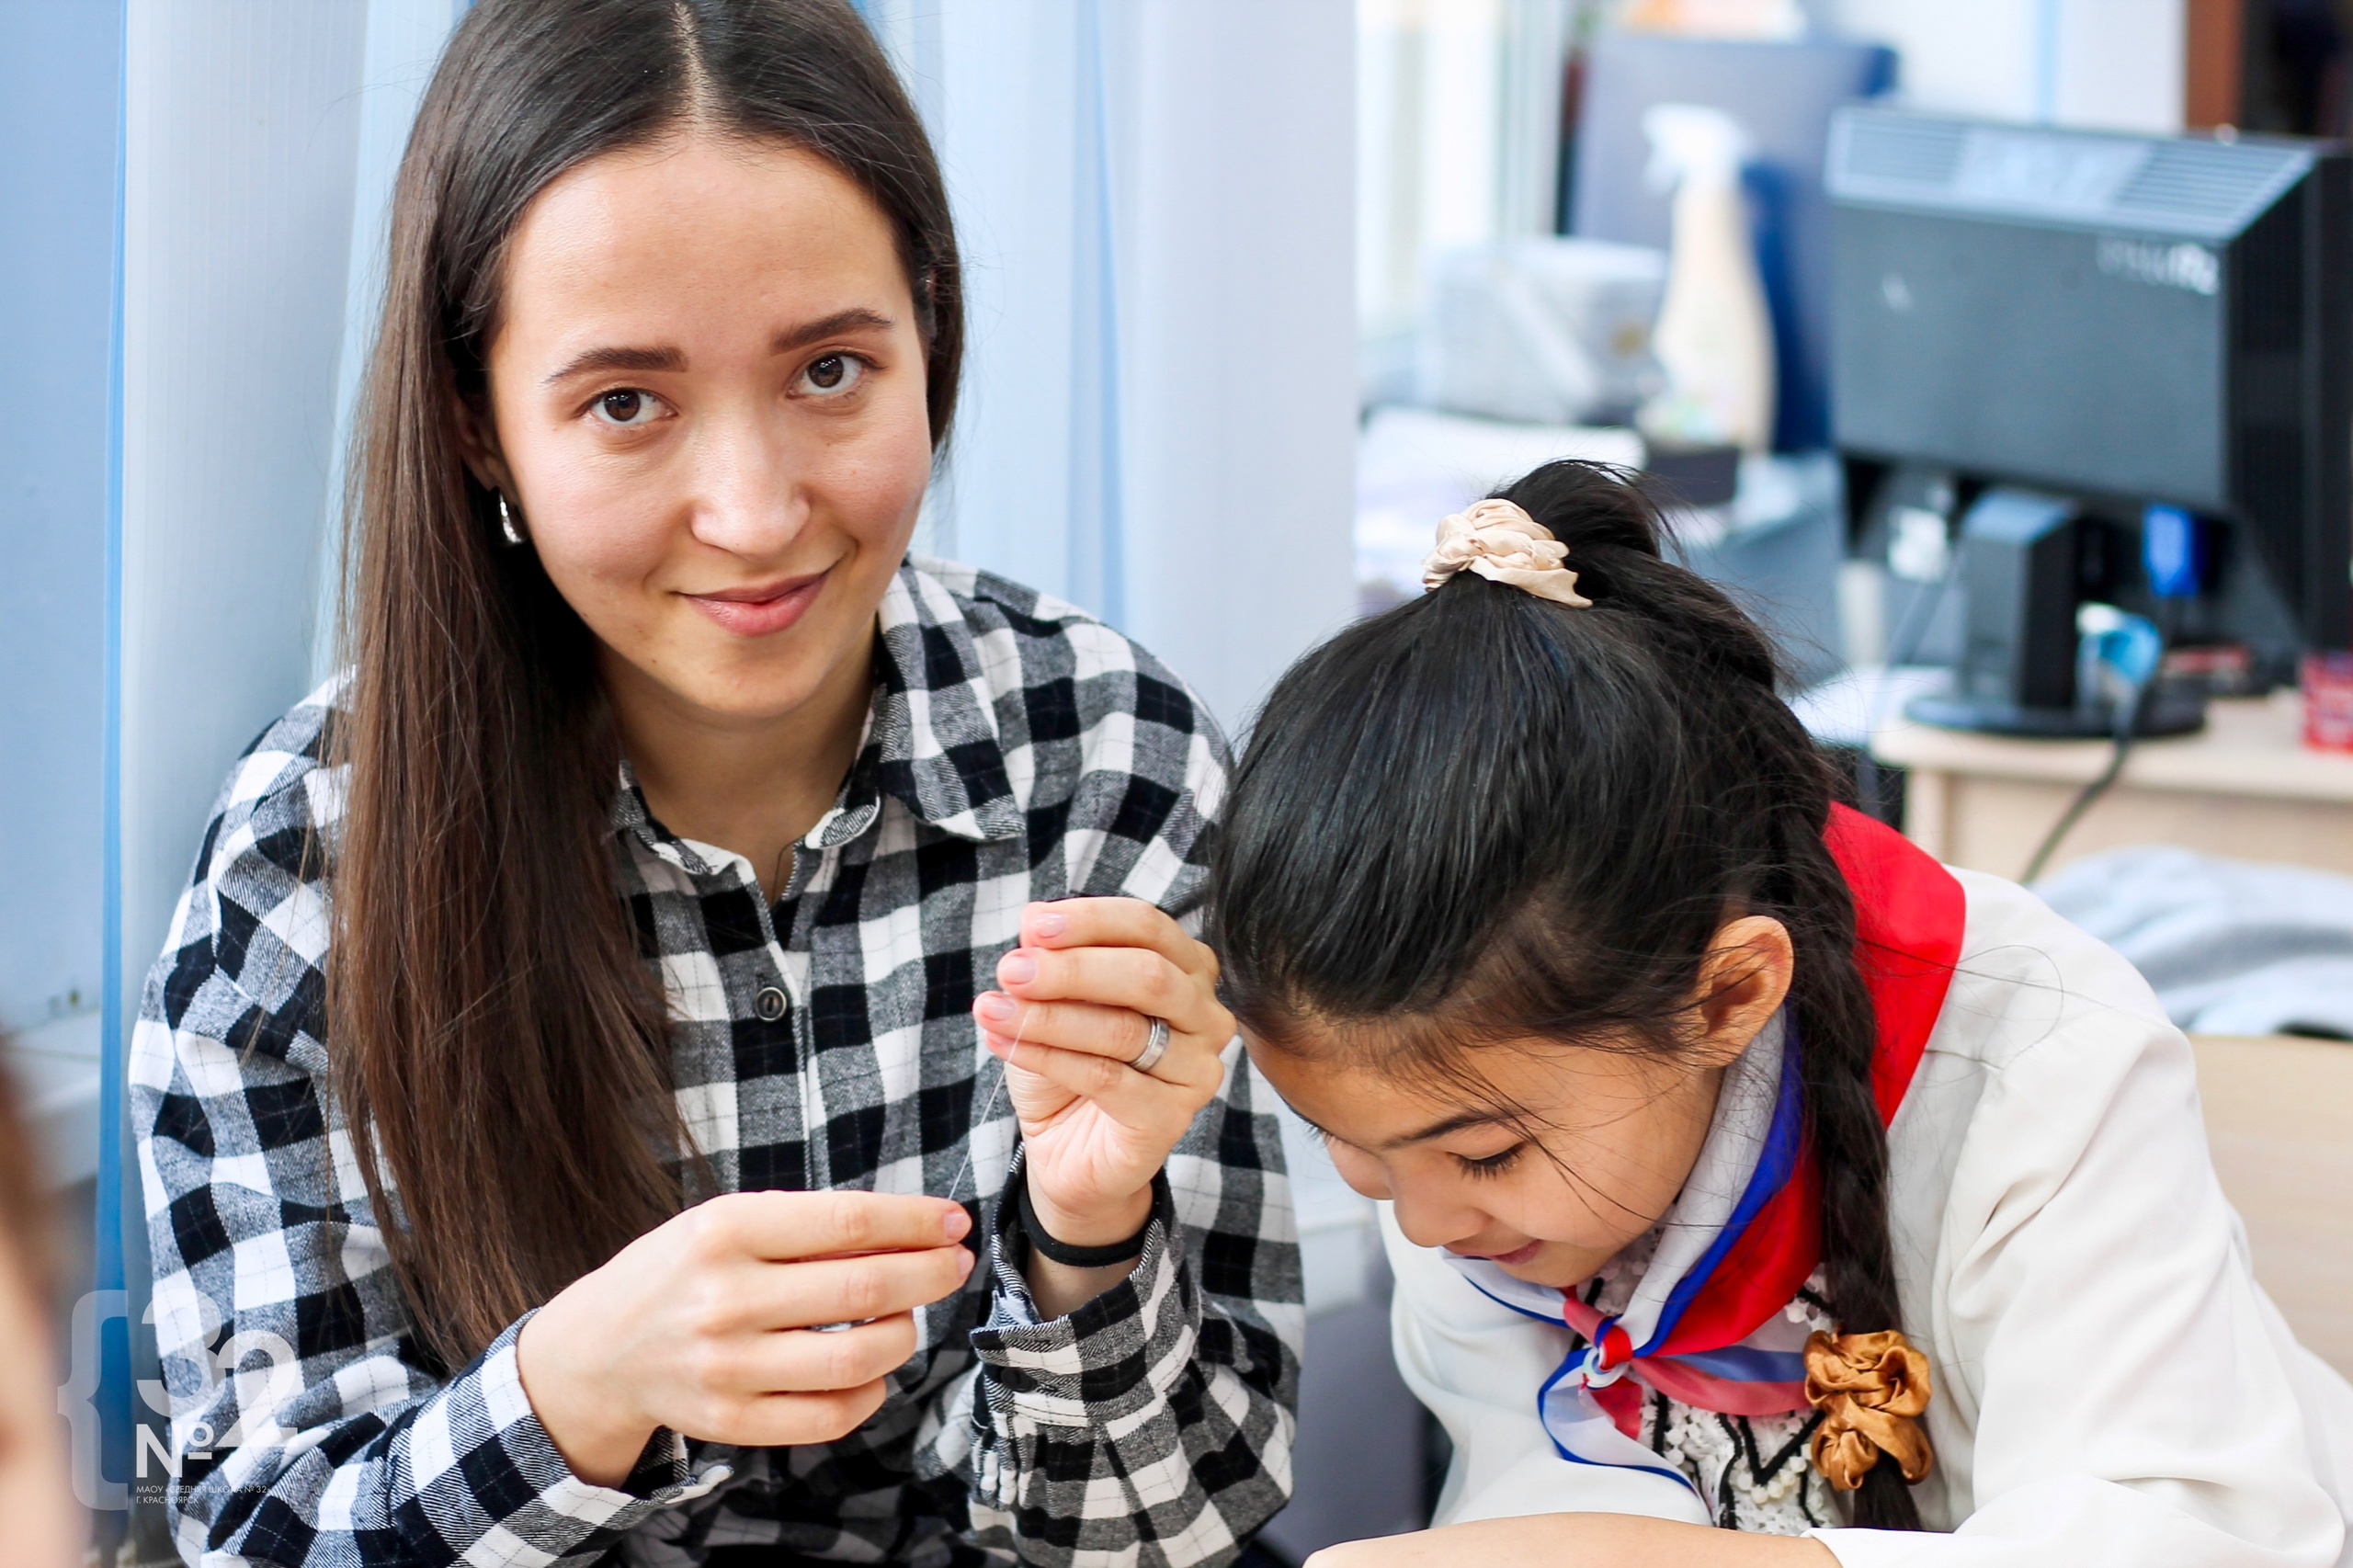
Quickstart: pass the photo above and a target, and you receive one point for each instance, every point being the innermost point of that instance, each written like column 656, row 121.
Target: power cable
column 2128, row 705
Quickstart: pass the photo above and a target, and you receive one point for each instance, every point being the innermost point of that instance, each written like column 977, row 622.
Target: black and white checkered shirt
column 1016, row 750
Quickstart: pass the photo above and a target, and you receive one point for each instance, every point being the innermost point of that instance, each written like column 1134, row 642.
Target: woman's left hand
column 1079, row 995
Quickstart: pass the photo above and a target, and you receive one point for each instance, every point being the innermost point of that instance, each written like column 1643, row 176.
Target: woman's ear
column 478, row 445
column 1743, row 982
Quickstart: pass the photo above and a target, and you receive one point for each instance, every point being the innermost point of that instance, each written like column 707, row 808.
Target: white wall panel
column 1006, row 120
column 59, row 69
column 404, row 43
column 2104, row 65
column 1155, row 200
column 2122, row 65
column 60, row 74
column 1242, row 384
column 243, row 123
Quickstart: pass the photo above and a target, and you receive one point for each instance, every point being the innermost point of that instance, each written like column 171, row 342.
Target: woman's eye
column 834, row 374
column 628, row 408
column 1492, row 1165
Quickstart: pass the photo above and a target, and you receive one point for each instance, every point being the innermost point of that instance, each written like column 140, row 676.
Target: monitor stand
column 2169, row 711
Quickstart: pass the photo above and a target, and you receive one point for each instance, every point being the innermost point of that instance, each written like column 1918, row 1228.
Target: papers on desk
column 1848, row 709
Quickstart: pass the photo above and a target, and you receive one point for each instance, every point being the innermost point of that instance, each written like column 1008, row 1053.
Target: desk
column 2245, row 787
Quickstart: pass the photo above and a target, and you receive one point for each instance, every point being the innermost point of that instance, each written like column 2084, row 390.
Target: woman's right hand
column 703, row 1324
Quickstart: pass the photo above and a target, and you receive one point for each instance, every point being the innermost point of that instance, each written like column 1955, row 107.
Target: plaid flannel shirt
column 1015, row 750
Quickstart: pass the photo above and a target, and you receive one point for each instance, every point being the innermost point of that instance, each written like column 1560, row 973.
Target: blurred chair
column 2280, row 1118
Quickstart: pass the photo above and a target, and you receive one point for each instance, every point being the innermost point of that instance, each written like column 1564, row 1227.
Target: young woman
column 1744, row 1167
column 587, row 1000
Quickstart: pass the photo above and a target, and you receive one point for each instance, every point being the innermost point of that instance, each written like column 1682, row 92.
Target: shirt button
column 770, row 1004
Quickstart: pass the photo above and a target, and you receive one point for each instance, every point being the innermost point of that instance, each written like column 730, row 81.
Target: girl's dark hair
column 500, row 1049
column 1483, row 817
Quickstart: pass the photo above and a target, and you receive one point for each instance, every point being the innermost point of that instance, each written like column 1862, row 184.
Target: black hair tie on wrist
column 1077, row 1257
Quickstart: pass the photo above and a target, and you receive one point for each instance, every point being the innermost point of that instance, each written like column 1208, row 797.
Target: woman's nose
column 745, row 497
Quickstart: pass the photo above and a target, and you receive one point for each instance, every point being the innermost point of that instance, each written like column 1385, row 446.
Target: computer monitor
column 2117, row 321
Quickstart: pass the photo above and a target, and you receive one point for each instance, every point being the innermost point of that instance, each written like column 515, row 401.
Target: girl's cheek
column 1556, row 1215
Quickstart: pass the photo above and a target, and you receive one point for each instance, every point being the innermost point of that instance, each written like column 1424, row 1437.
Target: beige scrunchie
column 1501, row 542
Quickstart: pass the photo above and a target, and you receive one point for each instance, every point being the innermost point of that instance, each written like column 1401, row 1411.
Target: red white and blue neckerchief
column 1706, row 1325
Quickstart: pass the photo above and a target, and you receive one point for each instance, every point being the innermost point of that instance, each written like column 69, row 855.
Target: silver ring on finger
column 1156, row 1046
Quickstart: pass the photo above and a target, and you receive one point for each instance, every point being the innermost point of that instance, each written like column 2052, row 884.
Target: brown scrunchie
column 1870, row 1388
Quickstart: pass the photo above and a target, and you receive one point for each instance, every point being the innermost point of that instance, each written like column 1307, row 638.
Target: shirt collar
column 931, row 738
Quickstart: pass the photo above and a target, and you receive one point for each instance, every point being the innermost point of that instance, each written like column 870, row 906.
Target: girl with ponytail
column 1743, row 1168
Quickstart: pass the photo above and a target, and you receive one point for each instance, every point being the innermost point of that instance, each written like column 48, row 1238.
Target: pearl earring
column 506, row 523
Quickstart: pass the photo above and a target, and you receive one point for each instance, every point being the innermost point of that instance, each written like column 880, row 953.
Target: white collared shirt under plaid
column 1016, row 750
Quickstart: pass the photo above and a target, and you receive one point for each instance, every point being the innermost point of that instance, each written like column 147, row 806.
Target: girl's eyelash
column 1493, row 1165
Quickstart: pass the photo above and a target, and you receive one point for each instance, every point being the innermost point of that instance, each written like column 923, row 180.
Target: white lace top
column 1752, row 1470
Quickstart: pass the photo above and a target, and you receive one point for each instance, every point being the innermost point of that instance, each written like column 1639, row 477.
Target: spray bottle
column 1714, row 338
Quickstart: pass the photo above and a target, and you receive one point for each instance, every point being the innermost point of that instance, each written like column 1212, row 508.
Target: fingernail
column 996, row 1004
column 1046, row 923
column 1016, row 968
column 998, row 1045
column 955, row 1223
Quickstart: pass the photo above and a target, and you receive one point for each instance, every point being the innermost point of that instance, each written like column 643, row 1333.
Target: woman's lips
column 763, row 609
column 1512, row 1259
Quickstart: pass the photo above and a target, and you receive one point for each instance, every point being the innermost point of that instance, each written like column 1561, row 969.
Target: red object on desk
column 2328, row 702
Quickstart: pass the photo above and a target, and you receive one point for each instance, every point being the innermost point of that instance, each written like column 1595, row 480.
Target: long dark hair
column 500, row 1049
column 1483, row 817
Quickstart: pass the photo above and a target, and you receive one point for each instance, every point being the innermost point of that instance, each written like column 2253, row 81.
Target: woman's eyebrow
column 856, row 319
column 620, row 359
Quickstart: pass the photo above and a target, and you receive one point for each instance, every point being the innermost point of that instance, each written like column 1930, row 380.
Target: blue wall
column 60, row 67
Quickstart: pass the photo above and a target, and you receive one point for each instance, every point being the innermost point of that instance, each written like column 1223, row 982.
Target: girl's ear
column 478, row 445
column 1743, row 982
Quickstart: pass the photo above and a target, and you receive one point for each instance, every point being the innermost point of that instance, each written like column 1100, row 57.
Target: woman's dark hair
column 1484, row 817
column 500, row 1049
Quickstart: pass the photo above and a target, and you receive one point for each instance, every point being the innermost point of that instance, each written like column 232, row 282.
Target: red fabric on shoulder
column 1909, row 912
column 1761, row 1274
